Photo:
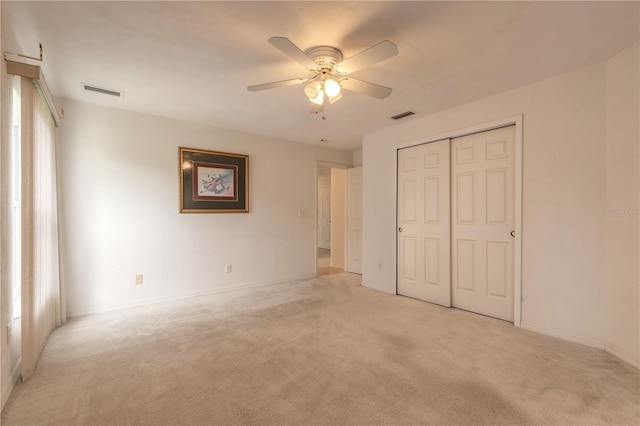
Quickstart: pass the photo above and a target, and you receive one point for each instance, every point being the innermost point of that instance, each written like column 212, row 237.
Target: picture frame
column 213, row 182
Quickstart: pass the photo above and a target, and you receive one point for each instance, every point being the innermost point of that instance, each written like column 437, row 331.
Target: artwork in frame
column 213, row 182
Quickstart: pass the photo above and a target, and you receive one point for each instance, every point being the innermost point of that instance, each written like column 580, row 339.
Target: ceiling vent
column 103, row 91
column 403, row 115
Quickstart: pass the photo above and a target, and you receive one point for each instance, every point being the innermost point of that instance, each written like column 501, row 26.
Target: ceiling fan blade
column 366, row 88
column 274, row 84
column 379, row 52
column 287, row 47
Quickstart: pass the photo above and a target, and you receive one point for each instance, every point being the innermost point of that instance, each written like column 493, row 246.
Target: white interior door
column 324, row 217
column 354, row 220
column 423, row 234
column 483, row 216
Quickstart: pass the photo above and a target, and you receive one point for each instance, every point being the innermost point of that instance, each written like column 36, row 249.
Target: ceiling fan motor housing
column 325, row 56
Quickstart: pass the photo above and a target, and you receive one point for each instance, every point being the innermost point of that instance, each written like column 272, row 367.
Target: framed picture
column 213, row 182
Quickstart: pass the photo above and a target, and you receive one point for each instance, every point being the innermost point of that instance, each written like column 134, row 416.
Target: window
column 16, row 188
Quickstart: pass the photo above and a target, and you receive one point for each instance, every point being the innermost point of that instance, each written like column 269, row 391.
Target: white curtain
column 43, row 306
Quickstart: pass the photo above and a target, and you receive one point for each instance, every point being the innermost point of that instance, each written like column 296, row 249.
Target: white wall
column 563, row 198
column 623, row 204
column 357, row 158
column 119, row 202
column 338, row 217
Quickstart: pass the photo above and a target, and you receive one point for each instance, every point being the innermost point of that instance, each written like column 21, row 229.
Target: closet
column 456, row 222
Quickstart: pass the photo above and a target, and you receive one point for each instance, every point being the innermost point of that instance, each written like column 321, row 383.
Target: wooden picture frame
column 213, row 182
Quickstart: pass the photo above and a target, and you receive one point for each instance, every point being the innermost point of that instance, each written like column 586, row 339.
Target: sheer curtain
column 43, row 306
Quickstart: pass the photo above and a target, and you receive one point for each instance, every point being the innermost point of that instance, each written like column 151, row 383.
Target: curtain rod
column 34, row 72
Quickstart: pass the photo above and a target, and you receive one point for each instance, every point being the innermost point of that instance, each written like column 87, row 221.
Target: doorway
column 331, row 219
column 324, row 214
column 456, row 212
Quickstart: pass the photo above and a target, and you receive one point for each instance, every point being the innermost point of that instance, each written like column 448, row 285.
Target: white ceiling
column 194, row 60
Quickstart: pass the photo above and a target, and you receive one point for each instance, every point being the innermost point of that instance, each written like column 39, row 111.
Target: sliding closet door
column 483, row 217
column 423, row 223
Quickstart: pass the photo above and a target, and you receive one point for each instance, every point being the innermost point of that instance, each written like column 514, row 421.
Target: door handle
column 399, row 229
column 513, row 234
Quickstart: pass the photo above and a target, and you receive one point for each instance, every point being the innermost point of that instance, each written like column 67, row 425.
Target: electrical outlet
column 139, row 279
column 227, row 268
column 379, row 266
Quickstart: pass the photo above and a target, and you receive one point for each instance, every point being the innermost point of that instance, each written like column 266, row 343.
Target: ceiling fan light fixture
column 331, row 87
column 318, row 100
column 335, row 98
column 312, row 89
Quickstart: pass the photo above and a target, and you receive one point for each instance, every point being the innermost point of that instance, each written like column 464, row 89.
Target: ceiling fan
column 329, row 71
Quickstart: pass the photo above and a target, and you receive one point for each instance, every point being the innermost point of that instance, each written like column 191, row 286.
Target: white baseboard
column 628, row 357
column 562, row 334
column 101, row 310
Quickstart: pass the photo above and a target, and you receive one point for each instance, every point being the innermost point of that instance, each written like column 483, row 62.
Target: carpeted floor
column 324, row 351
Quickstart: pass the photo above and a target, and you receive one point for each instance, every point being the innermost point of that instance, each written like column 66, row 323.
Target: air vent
column 103, row 91
column 403, row 115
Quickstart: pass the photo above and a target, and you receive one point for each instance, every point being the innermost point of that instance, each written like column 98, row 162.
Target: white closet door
column 423, row 223
column 354, row 220
column 483, row 206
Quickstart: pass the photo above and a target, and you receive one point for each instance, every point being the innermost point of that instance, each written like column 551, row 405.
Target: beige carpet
column 324, row 351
